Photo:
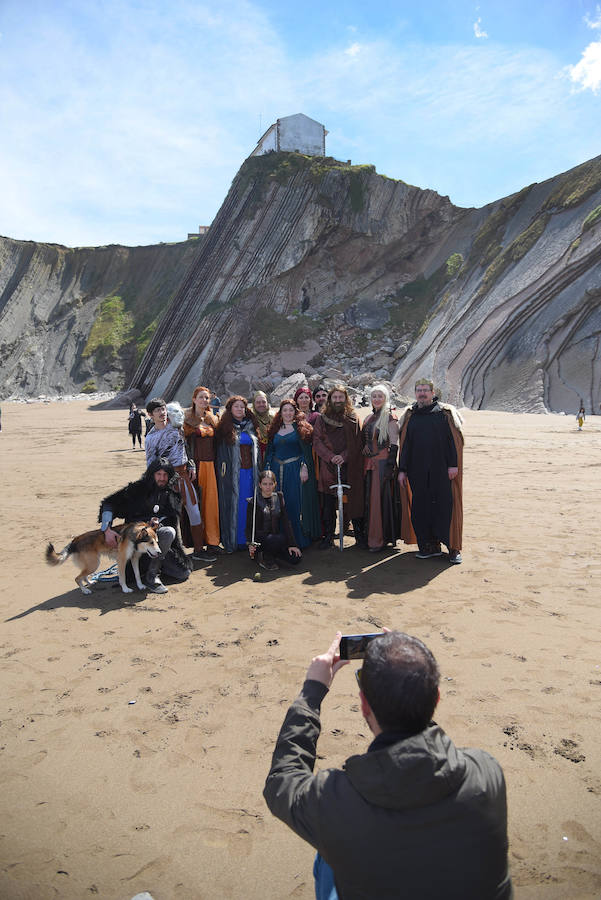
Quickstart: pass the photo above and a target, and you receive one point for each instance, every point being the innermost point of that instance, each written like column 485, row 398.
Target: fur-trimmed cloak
column 136, row 501
column 456, row 530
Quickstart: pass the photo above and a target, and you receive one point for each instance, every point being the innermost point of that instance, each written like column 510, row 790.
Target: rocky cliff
column 314, row 264
column 318, row 265
column 80, row 319
column 519, row 328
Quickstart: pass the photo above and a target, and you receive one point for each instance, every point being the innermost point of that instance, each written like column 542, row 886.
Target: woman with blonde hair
column 199, row 431
column 381, row 444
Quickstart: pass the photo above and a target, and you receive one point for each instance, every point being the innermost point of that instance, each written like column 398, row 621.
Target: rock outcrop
column 80, row 319
column 520, row 326
column 306, row 256
column 332, row 270
column 370, row 278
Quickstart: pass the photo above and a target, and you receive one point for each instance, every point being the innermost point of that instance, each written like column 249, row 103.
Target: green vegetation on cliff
column 261, row 171
column 488, row 240
column 112, row 329
column 512, row 254
column 575, row 186
column 593, row 217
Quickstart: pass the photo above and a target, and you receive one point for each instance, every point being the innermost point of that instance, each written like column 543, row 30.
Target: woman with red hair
column 199, row 431
column 289, row 455
column 237, row 461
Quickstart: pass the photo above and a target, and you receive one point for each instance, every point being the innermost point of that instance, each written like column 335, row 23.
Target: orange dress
column 199, row 435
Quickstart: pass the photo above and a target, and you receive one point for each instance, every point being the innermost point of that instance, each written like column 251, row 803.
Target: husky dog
column 135, row 538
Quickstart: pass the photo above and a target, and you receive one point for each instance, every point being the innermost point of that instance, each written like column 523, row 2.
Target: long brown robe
column 346, row 440
column 456, row 529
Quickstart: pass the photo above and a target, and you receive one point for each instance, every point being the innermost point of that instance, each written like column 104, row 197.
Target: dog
column 135, row 539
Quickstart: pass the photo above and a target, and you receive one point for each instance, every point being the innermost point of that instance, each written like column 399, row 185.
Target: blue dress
column 284, row 456
column 245, row 490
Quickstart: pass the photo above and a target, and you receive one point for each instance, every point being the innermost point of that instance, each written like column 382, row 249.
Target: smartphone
column 353, row 646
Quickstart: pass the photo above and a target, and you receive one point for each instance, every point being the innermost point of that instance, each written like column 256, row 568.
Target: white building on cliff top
column 294, row 133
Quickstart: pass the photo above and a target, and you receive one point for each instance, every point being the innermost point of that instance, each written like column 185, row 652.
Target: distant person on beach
column 581, row 418
column 412, row 817
column 135, row 425
column 215, row 404
column 431, row 475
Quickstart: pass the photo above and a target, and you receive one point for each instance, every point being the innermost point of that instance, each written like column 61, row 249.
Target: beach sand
column 101, row 796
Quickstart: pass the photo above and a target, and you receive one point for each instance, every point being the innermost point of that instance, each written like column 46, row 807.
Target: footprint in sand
column 569, row 750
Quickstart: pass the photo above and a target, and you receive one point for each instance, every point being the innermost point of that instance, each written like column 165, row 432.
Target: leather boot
column 153, row 579
column 198, row 534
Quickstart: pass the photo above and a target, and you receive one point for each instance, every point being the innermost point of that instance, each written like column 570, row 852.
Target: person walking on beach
column 135, row 425
column 581, row 418
column 414, row 816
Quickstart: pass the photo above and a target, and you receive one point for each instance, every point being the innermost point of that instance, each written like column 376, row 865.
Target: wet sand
column 103, row 797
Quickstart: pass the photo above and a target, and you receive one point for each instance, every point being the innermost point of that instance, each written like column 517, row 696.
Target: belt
column 282, row 463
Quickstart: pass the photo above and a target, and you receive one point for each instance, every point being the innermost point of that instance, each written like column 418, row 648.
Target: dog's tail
column 56, row 559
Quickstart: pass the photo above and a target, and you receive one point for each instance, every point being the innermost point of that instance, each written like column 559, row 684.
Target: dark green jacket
column 419, row 819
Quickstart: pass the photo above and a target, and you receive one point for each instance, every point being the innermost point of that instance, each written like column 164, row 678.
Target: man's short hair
column 400, row 679
column 155, row 403
column 424, row 381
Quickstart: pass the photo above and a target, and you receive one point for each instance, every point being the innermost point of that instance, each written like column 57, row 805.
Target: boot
column 358, row 530
column 153, row 579
column 198, row 534
column 329, row 523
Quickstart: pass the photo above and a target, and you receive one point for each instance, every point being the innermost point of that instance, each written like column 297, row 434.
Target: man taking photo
column 413, row 817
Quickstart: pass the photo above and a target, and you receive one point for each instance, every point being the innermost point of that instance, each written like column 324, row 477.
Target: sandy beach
column 104, row 797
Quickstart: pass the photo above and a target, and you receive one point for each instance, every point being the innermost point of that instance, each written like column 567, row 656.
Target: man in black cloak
column 429, row 460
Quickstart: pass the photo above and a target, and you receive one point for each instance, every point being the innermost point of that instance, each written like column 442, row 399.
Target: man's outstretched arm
column 291, row 792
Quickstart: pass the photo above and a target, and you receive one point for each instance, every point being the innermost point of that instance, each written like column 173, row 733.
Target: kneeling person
column 153, row 496
column 272, row 535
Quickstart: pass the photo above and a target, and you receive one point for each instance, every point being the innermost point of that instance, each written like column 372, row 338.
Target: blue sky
column 124, row 121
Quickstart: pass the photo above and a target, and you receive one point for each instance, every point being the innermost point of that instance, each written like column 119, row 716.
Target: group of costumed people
column 268, row 482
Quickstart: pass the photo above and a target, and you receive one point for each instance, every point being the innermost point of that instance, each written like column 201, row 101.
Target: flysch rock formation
column 317, row 267
column 520, row 327
column 73, row 319
column 301, row 269
column 369, row 278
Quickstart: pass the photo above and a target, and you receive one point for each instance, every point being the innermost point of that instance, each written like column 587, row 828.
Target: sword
column 339, row 488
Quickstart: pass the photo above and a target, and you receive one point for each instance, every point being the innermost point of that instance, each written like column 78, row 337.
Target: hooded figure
column 138, row 502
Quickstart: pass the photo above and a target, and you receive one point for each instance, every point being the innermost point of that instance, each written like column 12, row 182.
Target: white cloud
column 594, row 23
column 130, row 127
column 478, row 31
column 586, row 74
